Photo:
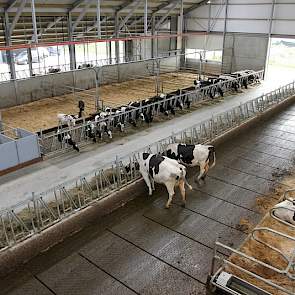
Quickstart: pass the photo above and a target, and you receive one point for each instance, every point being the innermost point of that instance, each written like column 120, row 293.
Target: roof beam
column 124, row 5
column 10, row 4
column 166, row 14
column 76, row 4
column 49, row 26
column 94, row 26
column 17, row 16
column 194, row 6
column 82, row 14
column 127, row 17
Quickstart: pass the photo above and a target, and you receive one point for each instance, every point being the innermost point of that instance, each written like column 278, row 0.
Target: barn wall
column 244, row 51
column 23, row 91
column 247, row 29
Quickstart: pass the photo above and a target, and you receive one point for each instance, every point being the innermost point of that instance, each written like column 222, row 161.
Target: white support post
column 98, row 24
column 34, row 21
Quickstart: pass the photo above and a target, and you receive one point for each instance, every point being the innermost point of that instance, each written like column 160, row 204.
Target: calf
column 67, row 139
column 159, row 169
column 102, row 128
column 285, row 211
column 91, row 130
column 64, row 119
column 193, row 155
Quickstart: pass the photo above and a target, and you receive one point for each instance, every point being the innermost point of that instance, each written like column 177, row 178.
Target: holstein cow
column 160, row 169
column 193, row 155
column 67, row 139
column 285, row 211
column 64, row 119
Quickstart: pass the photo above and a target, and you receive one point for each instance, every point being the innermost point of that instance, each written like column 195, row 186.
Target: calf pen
column 50, row 143
column 30, row 217
column 264, row 264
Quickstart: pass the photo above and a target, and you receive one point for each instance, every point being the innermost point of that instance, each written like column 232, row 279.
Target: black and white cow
column 67, row 138
column 199, row 84
column 193, row 155
column 285, row 211
column 160, row 169
column 64, row 119
column 91, row 130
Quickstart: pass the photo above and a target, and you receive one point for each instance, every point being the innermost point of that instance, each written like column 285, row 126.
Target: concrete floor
column 18, row 186
column 143, row 248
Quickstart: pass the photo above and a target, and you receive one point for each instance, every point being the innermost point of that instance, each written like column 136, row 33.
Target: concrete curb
column 31, row 247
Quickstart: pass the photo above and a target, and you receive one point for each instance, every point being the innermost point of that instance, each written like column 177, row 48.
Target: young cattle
column 159, row 169
column 193, row 155
column 67, row 139
column 285, row 211
column 64, row 119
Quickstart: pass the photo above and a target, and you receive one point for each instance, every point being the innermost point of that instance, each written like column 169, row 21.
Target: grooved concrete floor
column 18, row 186
column 143, row 248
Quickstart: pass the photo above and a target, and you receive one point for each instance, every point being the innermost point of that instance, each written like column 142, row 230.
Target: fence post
column 36, row 211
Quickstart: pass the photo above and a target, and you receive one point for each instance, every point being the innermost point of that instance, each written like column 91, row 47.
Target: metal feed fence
column 45, row 209
column 50, row 143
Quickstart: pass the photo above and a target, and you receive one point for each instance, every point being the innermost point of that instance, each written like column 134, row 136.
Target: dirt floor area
column 263, row 253
column 42, row 114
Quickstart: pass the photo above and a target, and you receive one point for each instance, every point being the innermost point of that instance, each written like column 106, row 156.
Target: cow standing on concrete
column 285, row 211
column 193, row 155
column 159, row 169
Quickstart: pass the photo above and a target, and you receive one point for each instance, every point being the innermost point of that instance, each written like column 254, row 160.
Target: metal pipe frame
column 254, row 260
column 289, row 260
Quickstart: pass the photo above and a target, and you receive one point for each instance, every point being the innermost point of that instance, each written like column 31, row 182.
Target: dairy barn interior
column 147, row 147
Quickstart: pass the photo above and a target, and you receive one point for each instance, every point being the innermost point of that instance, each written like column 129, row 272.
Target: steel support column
column 98, row 24
column 224, row 31
column 9, row 55
column 30, row 62
column 180, row 40
column 71, row 47
column 34, row 21
column 269, row 36
column 117, row 48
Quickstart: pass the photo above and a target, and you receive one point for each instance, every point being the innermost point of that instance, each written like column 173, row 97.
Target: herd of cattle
column 170, row 167
column 111, row 119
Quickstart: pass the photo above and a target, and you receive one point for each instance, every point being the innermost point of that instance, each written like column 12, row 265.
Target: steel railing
column 45, row 209
column 50, row 144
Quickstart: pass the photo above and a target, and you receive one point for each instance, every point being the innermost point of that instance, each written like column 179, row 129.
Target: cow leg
column 170, row 189
column 146, row 178
column 182, row 192
column 152, row 183
column 202, row 172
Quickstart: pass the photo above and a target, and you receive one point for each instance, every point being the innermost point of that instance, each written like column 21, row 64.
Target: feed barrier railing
column 50, row 143
column 47, row 208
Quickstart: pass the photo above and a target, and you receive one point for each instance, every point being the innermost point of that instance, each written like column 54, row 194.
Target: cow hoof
column 167, row 207
column 190, row 187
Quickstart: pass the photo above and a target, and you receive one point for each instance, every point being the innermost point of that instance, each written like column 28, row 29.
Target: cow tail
column 212, row 156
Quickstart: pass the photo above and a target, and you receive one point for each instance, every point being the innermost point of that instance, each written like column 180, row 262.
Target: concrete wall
column 23, row 91
column 244, row 51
